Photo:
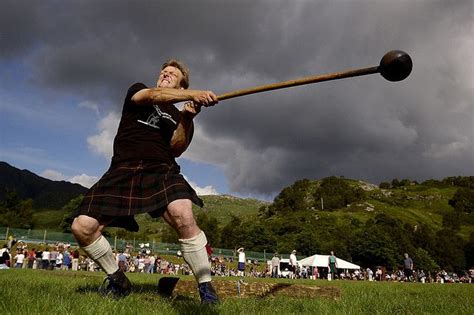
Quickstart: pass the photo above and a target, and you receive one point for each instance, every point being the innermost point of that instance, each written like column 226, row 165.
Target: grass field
column 68, row 292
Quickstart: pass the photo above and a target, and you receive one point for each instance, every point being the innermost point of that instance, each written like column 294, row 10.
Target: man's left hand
column 191, row 109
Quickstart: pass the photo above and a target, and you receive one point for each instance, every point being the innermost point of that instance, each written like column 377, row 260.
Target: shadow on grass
column 144, row 288
column 182, row 304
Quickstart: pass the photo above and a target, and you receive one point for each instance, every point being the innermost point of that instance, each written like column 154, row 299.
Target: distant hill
column 45, row 193
column 222, row 207
column 53, row 195
column 414, row 204
column 367, row 224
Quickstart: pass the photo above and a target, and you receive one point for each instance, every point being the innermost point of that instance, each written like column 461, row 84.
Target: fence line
column 45, row 237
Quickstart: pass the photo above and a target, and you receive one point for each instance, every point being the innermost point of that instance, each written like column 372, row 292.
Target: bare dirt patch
column 175, row 287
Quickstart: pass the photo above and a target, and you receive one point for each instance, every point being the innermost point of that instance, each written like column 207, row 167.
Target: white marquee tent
column 323, row 261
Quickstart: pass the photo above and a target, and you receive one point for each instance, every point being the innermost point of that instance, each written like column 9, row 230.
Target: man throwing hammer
column 144, row 177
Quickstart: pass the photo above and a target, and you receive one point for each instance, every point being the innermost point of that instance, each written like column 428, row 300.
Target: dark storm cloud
column 97, row 46
column 366, row 128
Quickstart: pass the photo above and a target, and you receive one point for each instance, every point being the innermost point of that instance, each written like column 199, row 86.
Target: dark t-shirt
column 4, row 257
column 407, row 262
column 145, row 132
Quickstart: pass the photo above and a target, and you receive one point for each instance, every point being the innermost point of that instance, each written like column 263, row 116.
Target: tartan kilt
column 133, row 187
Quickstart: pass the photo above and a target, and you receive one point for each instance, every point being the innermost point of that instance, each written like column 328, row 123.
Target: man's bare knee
column 179, row 215
column 85, row 229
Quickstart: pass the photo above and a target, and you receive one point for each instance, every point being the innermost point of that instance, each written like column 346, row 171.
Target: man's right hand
column 204, row 98
column 171, row 96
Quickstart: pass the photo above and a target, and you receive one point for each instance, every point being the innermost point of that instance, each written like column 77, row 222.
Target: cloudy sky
column 65, row 67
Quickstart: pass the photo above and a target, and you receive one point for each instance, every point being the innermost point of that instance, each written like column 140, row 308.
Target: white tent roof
column 323, row 261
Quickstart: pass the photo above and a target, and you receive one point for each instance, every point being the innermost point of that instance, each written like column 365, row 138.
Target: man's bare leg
column 87, row 231
column 193, row 242
column 179, row 215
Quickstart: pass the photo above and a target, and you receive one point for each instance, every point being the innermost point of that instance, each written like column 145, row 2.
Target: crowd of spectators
column 440, row 276
column 399, row 276
column 44, row 256
column 61, row 256
column 380, row 274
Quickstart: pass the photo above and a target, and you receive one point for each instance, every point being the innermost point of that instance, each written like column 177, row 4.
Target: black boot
column 207, row 293
column 118, row 285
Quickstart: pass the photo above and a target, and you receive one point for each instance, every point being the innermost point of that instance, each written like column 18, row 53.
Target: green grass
column 68, row 292
column 222, row 207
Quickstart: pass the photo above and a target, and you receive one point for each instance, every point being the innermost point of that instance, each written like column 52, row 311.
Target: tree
column 450, row 250
column 433, row 183
column 15, row 212
column 423, row 260
column 258, row 238
column 337, row 193
column 399, row 233
column 460, row 181
column 232, row 233
column 452, row 220
column 463, row 200
column 69, row 208
column 169, row 235
column 384, row 185
column 374, row 247
column 292, row 198
column 210, row 226
column 337, row 236
column 405, row 182
column 469, row 251
column 424, row 237
column 308, row 242
column 295, row 231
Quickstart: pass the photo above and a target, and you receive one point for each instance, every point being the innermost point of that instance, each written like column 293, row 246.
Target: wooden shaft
column 302, row 81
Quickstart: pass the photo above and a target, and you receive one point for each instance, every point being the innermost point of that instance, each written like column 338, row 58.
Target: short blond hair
column 182, row 67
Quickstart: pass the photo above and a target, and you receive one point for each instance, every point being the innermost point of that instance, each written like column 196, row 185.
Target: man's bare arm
column 171, row 96
column 182, row 135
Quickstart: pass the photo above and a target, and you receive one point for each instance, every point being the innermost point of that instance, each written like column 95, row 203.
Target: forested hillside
column 370, row 225
column 433, row 221
column 44, row 193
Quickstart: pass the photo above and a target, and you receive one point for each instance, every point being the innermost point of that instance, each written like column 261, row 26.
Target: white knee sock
column 195, row 254
column 101, row 252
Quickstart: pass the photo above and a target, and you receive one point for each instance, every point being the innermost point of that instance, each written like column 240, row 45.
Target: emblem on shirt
column 156, row 117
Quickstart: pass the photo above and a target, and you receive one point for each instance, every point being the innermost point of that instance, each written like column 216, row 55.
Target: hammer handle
column 302, row 81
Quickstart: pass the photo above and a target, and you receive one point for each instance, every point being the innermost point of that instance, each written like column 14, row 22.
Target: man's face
column 170, row 77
